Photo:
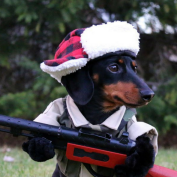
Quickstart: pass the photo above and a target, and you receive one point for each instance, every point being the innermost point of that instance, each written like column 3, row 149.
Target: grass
column 23, row 166
column 167, row 158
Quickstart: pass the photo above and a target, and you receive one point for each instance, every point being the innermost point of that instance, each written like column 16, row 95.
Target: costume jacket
column 64, row 111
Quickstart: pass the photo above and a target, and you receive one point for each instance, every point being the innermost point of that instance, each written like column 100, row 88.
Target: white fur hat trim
column 111, row 37
column 65, row 68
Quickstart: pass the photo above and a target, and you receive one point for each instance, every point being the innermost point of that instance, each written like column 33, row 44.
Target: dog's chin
column 135, row 105
column 108, row 109
column 113, row 104
column 126, row 103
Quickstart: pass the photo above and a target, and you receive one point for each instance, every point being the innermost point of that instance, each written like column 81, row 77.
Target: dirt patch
column 10, row 140
column 169, row 140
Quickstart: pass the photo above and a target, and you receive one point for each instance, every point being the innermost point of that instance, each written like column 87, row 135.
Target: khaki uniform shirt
column 53, row 116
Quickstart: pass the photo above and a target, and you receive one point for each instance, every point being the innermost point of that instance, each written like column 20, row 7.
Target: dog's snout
column 147, row 95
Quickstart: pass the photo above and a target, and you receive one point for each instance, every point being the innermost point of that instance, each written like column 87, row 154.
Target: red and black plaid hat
column 82, row 45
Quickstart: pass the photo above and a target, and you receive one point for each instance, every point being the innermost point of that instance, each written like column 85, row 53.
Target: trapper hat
column 85, row 44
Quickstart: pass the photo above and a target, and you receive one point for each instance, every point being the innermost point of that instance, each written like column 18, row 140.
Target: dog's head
column 113, row 79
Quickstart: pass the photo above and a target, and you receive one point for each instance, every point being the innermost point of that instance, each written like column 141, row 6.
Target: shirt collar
column 79, row 120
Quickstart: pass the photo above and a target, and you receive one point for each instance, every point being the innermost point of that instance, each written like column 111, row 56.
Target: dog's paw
column 142, row 159
column 120, row 171
column 39, row 149
column 145, row 150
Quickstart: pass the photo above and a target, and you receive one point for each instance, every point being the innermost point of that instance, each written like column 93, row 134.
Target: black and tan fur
column 99, row 89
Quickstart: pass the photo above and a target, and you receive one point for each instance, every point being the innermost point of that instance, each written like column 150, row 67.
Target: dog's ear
column 79, row 85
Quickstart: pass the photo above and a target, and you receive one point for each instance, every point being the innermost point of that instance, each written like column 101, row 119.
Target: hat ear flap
column 79, row 86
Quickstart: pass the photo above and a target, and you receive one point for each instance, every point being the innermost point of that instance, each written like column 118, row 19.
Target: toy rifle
column 83, row 145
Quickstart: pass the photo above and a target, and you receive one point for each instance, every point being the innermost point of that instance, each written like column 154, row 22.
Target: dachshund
column 99, row 89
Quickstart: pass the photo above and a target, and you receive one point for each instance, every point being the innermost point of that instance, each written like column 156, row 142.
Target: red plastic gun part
column 159, row 171
column 112, row 160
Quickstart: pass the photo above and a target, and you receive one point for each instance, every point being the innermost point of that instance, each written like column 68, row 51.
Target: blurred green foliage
column 162, row 111
column 29, row 102
column 31, row 31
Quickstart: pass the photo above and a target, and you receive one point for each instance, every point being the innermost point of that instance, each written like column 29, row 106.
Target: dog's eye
column 134, row 66
column 113, row 68
column 135, row 69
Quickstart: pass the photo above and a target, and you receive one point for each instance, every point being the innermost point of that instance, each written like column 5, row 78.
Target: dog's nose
column 147, row 95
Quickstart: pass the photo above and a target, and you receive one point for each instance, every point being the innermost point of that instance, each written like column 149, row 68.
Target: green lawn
column 23, row 166
column 167, row 158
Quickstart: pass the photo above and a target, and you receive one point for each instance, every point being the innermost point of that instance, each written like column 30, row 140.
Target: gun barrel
column 22, row 124
column 105, row 143
column 64, row 135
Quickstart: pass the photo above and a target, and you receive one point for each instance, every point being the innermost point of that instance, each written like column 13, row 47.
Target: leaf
column 65, row 15
column 4, row 13
column 172, row 119
column 171, row 96
column 4, row 61
column 21, row 17
column 61, row 27
column 28, row 18
column 38, row 26
column 166, row 8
